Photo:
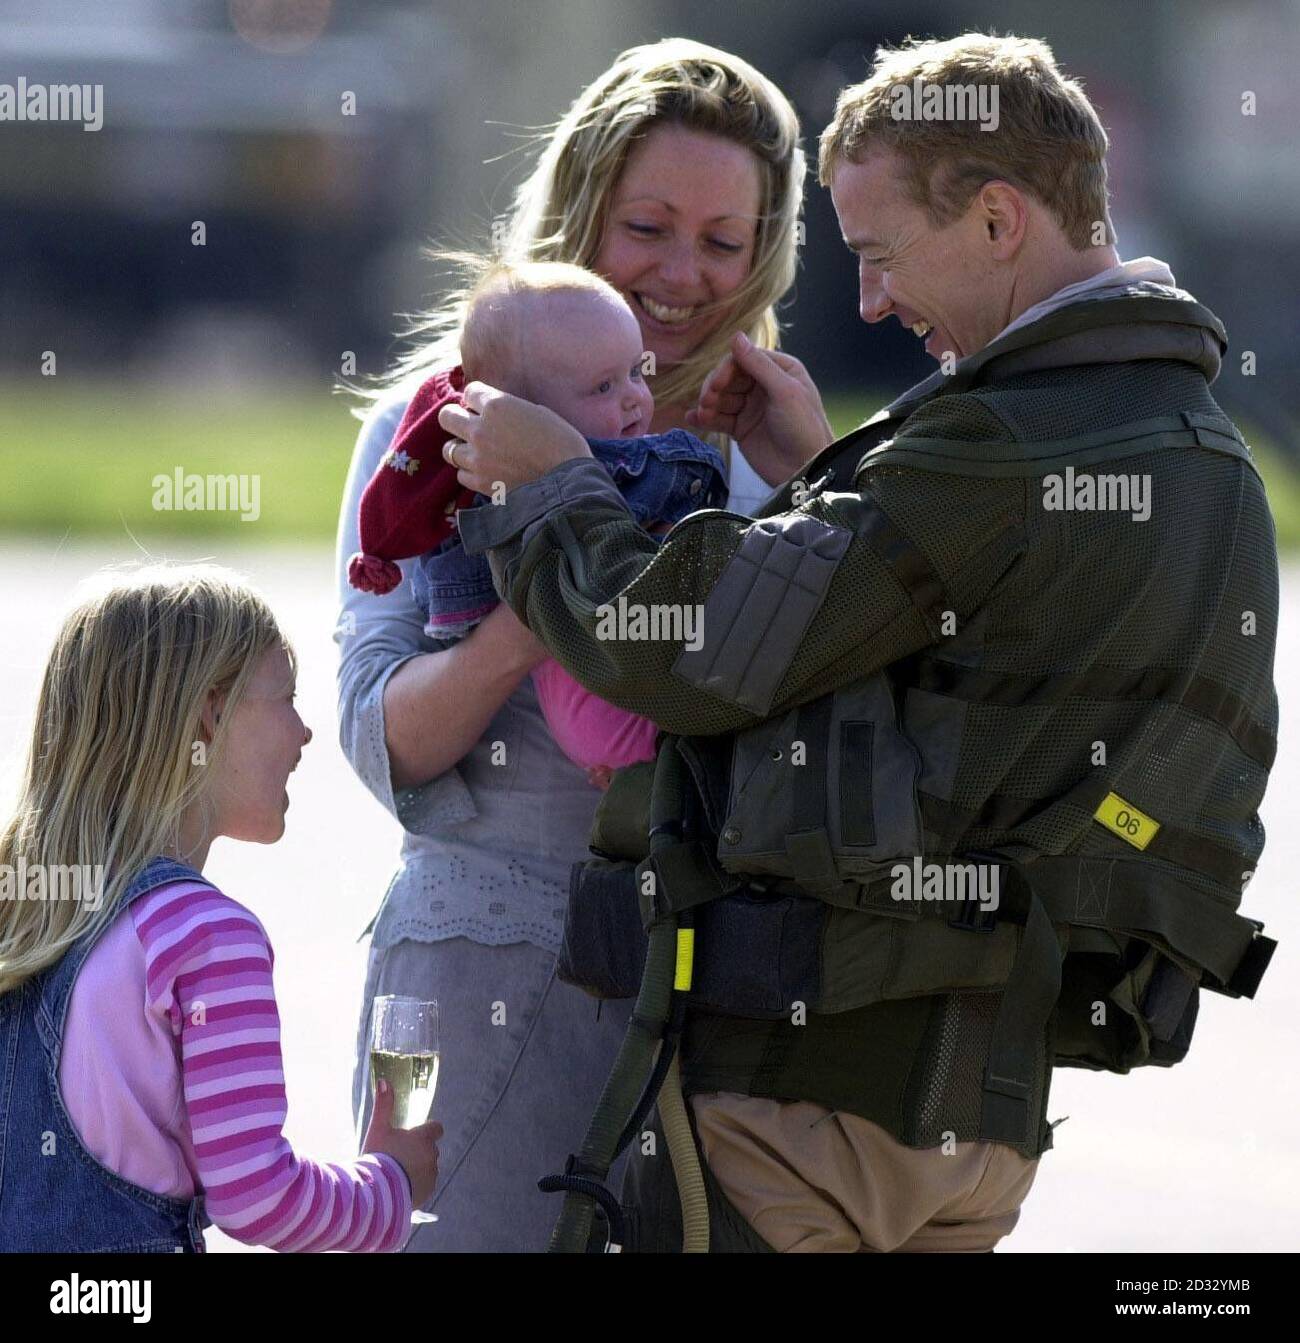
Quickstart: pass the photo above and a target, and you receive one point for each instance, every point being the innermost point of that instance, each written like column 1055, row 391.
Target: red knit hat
column 406, row 508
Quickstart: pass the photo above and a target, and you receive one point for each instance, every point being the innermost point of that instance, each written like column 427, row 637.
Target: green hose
column 686, row 1162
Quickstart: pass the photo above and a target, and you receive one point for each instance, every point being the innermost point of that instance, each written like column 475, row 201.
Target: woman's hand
column 767, row 402
column 414, row 1149
column 505, row 439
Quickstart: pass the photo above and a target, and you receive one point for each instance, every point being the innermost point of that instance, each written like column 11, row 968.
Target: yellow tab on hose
column 685, row 959
column 1125, row 820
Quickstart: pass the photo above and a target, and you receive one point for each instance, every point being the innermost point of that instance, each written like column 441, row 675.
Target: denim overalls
column 55, row 1196
column 663, row 477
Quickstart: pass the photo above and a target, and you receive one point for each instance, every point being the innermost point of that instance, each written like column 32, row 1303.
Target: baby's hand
column 599, row 776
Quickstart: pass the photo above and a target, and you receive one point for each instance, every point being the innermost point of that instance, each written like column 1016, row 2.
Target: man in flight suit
column 1056, row 555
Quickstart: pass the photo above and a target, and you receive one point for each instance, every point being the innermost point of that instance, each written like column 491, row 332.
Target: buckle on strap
column 974, row 918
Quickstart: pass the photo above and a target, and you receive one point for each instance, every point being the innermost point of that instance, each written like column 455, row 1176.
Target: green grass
column 82, row 462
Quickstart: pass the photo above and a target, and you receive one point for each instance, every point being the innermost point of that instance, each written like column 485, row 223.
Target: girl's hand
column 415, row 1149
column 503, row 438
column 767, row 402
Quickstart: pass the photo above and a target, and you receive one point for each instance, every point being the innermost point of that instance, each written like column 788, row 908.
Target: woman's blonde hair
column 559, row 213
column 114, row 757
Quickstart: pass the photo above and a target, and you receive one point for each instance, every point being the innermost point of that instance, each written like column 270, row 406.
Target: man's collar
column 1141, row 321
column 1143, row 270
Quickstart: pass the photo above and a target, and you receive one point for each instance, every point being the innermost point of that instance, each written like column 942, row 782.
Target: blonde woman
column 144, row 1096
column 677, row 176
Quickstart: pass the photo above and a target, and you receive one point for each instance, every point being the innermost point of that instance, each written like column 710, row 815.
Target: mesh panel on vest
column 1046, row 404
column 969, row 420
column 1250, row 589
column 944, row 1093
column 1165, row 589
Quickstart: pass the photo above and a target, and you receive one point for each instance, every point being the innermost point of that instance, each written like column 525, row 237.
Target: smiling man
column 915, row 652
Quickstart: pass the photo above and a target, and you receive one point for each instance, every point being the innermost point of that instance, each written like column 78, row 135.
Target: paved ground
column 1198, row 1157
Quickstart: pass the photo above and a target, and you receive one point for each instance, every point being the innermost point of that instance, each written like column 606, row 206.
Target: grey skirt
column 524, row 1060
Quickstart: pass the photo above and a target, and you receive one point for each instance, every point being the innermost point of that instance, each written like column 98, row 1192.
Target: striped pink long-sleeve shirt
column 188, row 1093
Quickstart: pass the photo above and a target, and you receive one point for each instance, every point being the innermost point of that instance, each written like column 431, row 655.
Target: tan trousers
column 810, row 1179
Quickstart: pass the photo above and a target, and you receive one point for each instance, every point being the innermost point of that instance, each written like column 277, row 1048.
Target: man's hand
column 503, row 438
column 769, row 404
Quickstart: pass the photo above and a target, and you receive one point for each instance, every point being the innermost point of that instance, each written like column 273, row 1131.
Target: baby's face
column 584, row 355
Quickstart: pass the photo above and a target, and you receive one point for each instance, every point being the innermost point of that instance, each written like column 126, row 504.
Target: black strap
column 1148, row 899
column 685, row 875
column 1005, row 812
column 807, row 844
column 1250, row 969
column 906, row 560
column 604, row 1199
column 1019, row 1030
column 1125, row 896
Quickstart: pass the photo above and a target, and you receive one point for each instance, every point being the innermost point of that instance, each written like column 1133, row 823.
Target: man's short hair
column 1048, row 141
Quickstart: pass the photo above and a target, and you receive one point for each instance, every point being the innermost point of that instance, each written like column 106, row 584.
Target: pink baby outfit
column 589, row 730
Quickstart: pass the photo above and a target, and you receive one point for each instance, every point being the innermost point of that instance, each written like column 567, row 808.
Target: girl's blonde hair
column 559, row 212
column 113, row 760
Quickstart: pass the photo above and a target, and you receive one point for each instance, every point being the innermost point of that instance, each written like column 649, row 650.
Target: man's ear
column 1005, row 218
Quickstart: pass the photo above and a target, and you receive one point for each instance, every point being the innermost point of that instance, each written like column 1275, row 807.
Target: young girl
column 144, row 1094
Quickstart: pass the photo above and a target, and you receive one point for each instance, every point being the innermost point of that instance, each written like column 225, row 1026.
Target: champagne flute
column 404, row 1053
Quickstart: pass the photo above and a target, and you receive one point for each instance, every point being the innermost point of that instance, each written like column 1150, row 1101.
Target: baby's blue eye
column 605, row 386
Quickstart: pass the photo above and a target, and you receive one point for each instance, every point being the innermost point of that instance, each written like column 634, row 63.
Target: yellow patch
column 1125, row 820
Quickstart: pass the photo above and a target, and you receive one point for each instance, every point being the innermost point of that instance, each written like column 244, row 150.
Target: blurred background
column 317, row 146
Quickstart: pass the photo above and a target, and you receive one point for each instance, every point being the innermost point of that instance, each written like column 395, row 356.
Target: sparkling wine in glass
column 404, row 1053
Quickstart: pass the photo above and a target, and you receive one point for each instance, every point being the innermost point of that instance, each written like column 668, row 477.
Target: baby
column 560, row 336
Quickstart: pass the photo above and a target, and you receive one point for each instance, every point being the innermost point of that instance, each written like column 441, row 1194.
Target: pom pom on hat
column 368, row 573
